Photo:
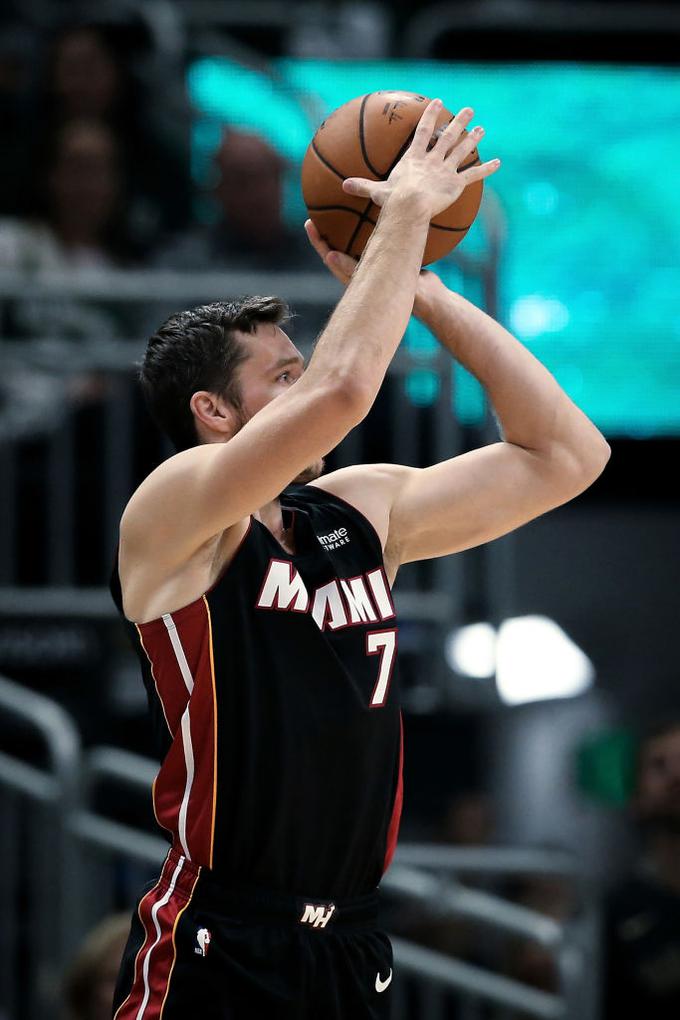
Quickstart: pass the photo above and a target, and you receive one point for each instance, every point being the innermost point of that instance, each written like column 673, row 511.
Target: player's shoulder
column 369, row 488
column 153, row 496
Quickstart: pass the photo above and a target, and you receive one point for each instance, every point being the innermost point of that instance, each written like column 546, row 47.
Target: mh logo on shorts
column 204, row 938
column 317, row 915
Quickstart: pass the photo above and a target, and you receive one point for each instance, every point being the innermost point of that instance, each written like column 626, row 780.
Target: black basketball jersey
column 274, row 699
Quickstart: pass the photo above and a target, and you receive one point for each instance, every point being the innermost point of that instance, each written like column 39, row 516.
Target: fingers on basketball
column 465, row 146
column 316, row 240
column 341, row 265
column 361, row 187
column 426, row 126
column 450, row 136
column 479, row 172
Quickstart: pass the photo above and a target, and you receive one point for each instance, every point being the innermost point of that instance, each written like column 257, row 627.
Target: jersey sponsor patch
column 335, row 539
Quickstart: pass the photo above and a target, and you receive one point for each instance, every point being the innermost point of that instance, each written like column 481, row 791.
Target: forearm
column 534, row 412
column 369, row 321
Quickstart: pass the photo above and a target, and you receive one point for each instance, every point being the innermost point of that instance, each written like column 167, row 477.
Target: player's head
column 249, row 188
column 656, row 799
column 208, row 370
column 90, row 980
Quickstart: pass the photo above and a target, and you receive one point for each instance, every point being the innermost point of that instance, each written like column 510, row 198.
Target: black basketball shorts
column 198, row 949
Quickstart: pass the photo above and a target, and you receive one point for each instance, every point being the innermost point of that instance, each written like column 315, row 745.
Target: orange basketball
column 366, row 138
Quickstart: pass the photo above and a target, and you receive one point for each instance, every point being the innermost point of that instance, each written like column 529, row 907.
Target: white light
column 536, row 660
column 471, row 650
column 531, row 656
column 535, row 314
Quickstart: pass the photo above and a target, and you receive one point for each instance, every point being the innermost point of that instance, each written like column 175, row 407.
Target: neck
column 271, row 516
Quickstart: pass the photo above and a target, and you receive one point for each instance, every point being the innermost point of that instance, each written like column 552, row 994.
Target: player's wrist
column 410, row 202
column 430, row 293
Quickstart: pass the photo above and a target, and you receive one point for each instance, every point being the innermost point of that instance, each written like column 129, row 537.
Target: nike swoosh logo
column 380, row 986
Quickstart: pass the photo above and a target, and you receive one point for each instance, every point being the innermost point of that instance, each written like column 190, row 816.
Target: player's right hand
column 428, row 171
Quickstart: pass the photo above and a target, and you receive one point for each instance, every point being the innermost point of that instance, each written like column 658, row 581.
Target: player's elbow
column 578, row 466
column 594, row 457
column 350, row 397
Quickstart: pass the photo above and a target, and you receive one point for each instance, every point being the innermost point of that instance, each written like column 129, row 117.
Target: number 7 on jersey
column 384, row 644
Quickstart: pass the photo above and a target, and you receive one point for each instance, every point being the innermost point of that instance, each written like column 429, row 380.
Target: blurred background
column 150, row 161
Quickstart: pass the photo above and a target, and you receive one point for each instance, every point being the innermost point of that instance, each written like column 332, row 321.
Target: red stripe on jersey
column 393, row 830
column 170, row 686
column 214, row 712
column 159, row 912
column 184, row 791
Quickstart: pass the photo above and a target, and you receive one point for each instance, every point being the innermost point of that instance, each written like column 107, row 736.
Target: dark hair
column 199, row 350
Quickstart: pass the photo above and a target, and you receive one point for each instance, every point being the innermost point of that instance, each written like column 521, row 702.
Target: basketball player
column 258, row 597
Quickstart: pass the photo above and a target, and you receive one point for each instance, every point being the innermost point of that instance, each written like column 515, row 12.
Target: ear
column 216, row 419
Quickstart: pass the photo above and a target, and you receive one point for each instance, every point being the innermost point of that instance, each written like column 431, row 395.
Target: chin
column 310, row 473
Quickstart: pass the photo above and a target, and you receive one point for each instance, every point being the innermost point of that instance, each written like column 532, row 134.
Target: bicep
column 474, row 498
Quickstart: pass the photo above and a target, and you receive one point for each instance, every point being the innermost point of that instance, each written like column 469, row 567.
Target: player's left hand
column 342, row 266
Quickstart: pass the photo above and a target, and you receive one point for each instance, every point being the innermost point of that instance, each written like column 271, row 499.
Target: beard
column 308, row 475
column 314, row 470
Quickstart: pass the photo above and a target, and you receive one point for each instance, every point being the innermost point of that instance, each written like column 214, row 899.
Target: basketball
column 367, row 137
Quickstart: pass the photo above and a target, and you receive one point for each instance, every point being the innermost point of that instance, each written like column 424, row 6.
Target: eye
column 286, row 376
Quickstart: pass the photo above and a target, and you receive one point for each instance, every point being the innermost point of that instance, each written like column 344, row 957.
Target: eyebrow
column 285, row 362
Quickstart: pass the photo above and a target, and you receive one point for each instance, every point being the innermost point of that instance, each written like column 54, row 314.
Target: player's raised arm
column 550, row 452
column 206, row 489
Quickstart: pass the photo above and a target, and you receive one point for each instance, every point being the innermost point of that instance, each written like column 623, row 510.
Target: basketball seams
column 362, row 138
column 325, row 162
column 454, row 230
column 363, row 218
column 339, row 208
column 466, row 166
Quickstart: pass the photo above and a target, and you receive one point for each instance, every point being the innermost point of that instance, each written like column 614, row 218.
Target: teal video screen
column 589, row 272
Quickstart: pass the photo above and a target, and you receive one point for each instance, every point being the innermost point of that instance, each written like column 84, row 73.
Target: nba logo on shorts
column 204, row 938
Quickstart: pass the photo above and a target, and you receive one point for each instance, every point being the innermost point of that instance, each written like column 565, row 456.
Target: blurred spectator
column 250, row 233
column 527, row 960
column 91, row 980
column 77, row 202
column 467, row 820
column 95, row 72
column 86, row 77
column 79, row 191
column 642, row 929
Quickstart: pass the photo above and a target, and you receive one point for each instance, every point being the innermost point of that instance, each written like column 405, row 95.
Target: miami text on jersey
column 343, row 602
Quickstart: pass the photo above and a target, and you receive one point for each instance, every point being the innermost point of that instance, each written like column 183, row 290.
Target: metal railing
column 37, row 934
column 71, row 861
column 428, row 26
